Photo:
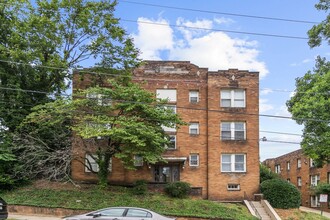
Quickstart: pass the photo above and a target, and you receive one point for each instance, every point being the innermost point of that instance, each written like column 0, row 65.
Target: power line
column 284, row 133
column 189, row 108
column 221, row 13
column 218, row 30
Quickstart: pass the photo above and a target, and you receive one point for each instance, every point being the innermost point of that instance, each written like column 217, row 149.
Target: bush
column 281, row 194
column 140, row 187
column 267, row 174
column 178, row 189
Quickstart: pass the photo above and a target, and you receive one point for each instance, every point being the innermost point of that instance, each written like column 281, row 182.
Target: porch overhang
column 175, row 159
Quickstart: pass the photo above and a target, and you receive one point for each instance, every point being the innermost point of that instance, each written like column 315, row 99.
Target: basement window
column 233, row 187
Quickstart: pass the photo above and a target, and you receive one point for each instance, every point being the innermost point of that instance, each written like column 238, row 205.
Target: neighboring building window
column 233, row 131
column 172, row 144
column 233, row 98
column 194, row 128
column 138, row 161
column 299, row 182
column 315, row 202
column 315, row 179
column 233, row 187
column 193, row 96
column 298, row 163
column 278, row 168
column 169, row 94
column 311, row 163
column 288, row 165
column 193, row 160
column 288, row 180
column 328, row 175
column 233, row 163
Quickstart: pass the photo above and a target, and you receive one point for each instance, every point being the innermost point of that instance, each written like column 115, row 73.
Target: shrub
column 140, row 187
column 267, row 174
column 178, row 189
column 281, row 194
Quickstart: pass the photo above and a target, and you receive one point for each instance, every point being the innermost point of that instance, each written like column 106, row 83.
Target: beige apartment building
column 217, row 152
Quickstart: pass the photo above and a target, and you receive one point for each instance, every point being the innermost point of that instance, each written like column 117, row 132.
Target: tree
column 267, row 174
column 40, row 43
column 310, row 104
column 121, row 120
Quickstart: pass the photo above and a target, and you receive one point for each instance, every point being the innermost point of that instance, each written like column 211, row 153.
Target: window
column 288, row 165
column 99, row 99
column 311, row 163
column 315, row 202
column 233, row 163
column 193, row 96
column 171, row 107
column 166, row 174
column 233, row 131
column 328, row 177
column 233, row 98
column 138, row 161
column 298, row 163
column 288, row 180
column 233, row 187
column 315, row 179
column 169, row 94
column 278, row 168
column 193, row 160
column 91, row 164
column 194, row 128
column 172, row 144
column 299, row 182
column 113, row 212
column 138, row 213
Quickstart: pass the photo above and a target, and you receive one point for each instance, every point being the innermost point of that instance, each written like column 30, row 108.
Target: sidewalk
column 306, row 209
column 32, row 217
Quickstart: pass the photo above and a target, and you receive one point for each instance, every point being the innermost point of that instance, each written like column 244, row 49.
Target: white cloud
column 223, row 20
column 301, row 62
column 205, row 48
column 152, row 39
column 266, row 91
column 264, row 106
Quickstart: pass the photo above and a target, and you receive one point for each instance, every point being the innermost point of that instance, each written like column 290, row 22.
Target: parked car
column 3, row 209
column 120, row 213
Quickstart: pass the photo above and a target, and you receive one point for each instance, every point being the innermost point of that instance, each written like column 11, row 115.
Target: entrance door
column 165, row 174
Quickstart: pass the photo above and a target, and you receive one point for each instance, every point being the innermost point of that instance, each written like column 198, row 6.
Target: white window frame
column 194, row 96
column 232, row 163
column 230, row 96
column 169, row 94
column 192, row 127
column 100, row 99
column 288, row 165
column 194, row 162
column 315, row 179
column 232, row 130
column 315, row 201
column 298, row 163
column 94, row 164
column 233, row 187
column 277, row 168
column 299, row 181
column 138, row 161
column 172, row 139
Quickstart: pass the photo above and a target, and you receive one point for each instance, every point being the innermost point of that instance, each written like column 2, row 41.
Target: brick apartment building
column 298, row 169
column 217, row 152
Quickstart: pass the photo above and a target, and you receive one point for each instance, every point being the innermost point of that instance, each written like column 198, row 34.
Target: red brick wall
column 184, row 76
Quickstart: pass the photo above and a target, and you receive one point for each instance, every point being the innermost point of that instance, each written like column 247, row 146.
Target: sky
column 234, row 34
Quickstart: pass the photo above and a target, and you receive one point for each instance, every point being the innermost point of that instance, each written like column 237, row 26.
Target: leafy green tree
column 310, row 104
column 322, row 188
column 40, row 43
column 267, row 174
column 122, row 121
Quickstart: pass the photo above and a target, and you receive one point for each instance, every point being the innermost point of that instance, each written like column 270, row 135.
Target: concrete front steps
column 262, row 210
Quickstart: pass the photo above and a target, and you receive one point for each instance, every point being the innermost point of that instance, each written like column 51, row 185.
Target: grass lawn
column 92, row 198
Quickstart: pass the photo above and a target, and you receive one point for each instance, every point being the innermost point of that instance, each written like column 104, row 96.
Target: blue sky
column 278, row 59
